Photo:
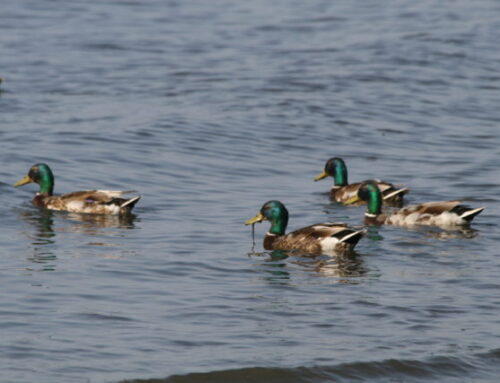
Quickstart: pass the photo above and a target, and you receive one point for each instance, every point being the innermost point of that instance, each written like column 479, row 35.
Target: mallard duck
column 319, row 238
column 91, row 201
column 342, row 191
column 443, row 214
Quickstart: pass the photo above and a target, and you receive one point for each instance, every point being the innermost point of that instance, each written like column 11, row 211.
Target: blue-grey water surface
column 209, row 109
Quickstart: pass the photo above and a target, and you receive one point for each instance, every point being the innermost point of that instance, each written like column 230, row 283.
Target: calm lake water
column 209, row 109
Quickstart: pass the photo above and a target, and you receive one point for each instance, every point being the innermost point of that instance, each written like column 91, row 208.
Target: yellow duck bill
column 24, row 181
column 321, row 176
column 258, row 218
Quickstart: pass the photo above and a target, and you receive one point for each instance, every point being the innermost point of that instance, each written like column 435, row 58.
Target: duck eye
column 32, row 173
column 266, row 211
column 329, row 167
column 363, row 193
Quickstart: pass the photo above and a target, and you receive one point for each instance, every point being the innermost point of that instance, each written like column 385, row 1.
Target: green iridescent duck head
column 371, row 194
column 335, row 167
column 42, row 175
column 274, row 212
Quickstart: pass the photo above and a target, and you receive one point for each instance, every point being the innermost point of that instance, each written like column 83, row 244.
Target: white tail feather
column 132, row 200
column 472, row 212
column 396, row 192
column 356, row 233
column 115, row 193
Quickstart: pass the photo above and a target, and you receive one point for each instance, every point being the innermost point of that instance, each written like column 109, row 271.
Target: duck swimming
column 91, row 201
column 444, row 213
column 342, row 190
column 318, row 238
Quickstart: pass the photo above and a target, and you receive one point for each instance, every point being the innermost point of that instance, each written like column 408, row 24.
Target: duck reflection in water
column 43, row 238
column 92, row 223
column 76, row 222
column 274, row 265
column 443, row 234
column 280, row 265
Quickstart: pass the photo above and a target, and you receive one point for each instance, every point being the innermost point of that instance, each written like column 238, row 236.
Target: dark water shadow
column 437, row 368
